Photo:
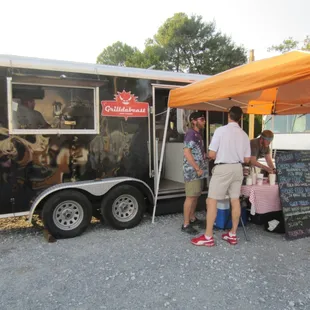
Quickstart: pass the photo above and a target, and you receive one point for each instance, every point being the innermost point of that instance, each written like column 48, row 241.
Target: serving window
column 41, row 108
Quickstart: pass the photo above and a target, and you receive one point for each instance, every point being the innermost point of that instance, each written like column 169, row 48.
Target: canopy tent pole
column 251, row 116
column 207, row 142
column 160, row 164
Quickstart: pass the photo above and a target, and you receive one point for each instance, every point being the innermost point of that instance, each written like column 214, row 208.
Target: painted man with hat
column 260, row 149
column 195, row 169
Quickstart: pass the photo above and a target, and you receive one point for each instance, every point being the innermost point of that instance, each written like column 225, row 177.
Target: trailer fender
column 94, row 187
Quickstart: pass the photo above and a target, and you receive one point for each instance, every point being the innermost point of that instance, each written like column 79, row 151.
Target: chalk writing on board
column 293, row 172
column 287, row 157
column 291, row 210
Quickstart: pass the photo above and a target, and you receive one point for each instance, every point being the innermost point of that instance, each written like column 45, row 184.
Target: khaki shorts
column 193, row 188
column 226, row 180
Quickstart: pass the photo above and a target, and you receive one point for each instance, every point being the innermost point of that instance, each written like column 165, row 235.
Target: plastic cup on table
column 260, row 178
column 272, row 179
column 249, row 181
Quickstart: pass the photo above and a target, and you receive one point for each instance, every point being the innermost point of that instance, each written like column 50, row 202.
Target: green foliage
column 291, row 44
column 183, row 44
column 306, row 44
column 258, row 123
column 195, row 46
column 117, row 54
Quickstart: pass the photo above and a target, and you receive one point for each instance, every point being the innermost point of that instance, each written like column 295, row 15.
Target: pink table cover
column 264, row 198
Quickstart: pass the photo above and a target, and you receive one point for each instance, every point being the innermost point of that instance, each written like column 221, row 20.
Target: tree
column 117, row 54
column 306, row 45
column 183, row 44
column 121, row 54
column 258, row 120
column 291, row 44
column 153, row 56
column 194, row 46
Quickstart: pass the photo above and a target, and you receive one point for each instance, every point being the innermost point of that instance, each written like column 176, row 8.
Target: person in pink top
column 230, row 148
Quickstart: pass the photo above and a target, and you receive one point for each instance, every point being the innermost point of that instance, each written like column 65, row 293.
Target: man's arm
column 214, row 145
column 189, row 157
column 189, row 144
column 212, row 154
column 269, row 161
column 41, row 121
column 255, row 163
column 254, row 155
column 247, row 160
column 247, row 151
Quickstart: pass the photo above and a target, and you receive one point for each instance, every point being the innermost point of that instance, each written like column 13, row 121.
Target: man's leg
column 231, row 236
column 207, row 238
column 189, row 209
column 234, row 194
column 217, row 188
column 193, row 208
column 187, row 227
column 235, row 214
column 193, row 192
column 211, row 216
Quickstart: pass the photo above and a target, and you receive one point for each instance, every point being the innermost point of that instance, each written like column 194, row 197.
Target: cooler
column 223, row 213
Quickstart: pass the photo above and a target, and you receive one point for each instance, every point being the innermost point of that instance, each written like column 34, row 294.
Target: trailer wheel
column 123, row 207
column 67, row 214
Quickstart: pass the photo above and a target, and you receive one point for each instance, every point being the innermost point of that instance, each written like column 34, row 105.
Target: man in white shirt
column 230, row 148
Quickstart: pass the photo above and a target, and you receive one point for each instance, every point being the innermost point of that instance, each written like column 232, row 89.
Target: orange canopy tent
column 276, row 85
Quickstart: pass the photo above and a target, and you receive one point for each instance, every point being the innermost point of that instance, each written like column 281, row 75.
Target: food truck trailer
column 81, row 140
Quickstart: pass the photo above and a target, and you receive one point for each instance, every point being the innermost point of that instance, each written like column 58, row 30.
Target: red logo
column 125, row 105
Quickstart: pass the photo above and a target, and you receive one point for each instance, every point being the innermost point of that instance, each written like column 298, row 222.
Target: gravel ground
column 153, row 266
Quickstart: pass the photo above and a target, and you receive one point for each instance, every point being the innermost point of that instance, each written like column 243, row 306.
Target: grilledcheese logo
column 125, row 105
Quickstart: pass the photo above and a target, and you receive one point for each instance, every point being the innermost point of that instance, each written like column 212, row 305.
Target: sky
column 80, row 30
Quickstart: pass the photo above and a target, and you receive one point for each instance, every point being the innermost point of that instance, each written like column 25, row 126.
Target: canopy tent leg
column 244, row 229
column 160, row 163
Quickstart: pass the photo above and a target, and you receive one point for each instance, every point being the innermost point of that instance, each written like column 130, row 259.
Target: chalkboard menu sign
column 293, row 173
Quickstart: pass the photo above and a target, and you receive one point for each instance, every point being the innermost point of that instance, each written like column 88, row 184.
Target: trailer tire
column 67, row 214
column 123, row 207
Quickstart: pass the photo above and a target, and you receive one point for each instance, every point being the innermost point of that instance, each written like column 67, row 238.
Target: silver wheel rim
column 125, row 208
column 68, row 215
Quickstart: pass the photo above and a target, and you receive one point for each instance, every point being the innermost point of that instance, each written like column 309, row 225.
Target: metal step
column 162, row 196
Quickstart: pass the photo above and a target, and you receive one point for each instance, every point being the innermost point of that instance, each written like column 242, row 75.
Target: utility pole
column 251, row 116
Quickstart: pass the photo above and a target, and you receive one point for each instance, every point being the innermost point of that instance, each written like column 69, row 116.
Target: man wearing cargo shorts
column 194, row 169
column 230, row 148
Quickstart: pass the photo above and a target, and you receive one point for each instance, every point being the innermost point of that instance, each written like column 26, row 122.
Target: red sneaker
column 230, row 239
column 202, row 240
